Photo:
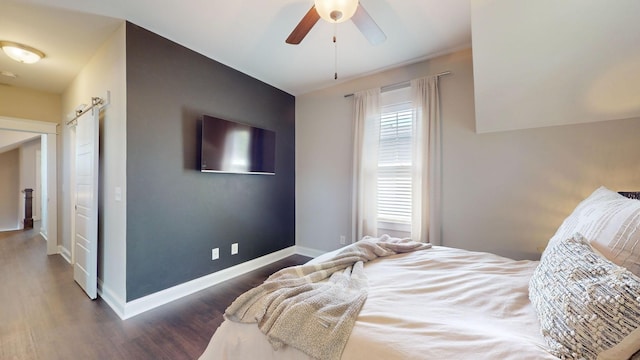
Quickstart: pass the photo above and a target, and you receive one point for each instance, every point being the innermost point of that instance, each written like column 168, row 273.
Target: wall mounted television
column 232, row 147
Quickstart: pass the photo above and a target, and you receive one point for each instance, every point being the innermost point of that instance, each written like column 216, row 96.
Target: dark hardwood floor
column 45, row 315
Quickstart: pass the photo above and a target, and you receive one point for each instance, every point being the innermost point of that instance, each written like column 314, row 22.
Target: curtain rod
column 401, row 84
column 95, row 101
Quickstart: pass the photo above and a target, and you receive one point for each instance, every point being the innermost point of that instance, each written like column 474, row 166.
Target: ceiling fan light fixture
column 336, row 11
column 21, row 53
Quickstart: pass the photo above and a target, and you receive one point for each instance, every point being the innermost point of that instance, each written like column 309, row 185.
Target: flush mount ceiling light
column 336, row 11
column 21, row 53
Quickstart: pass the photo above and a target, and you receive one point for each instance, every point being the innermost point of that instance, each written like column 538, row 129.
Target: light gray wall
column 105, row 71
column 9, row 190
column 23, row 103
column 503, row 192
column 507, row 192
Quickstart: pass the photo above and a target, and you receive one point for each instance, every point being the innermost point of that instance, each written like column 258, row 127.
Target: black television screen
column 231, row 147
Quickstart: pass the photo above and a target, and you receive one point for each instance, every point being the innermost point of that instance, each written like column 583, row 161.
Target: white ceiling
column 10, row 140
column 68, row 39
column 247, row 35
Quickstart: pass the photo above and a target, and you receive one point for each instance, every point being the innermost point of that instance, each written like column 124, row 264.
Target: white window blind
column 394, row 163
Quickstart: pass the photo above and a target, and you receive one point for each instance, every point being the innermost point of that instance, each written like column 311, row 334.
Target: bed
column 447, row 303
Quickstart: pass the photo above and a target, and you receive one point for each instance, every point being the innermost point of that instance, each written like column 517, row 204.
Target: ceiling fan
column 337, row 11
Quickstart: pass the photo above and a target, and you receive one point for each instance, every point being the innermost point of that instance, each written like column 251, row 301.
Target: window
column 397, row 161
column 394, row 162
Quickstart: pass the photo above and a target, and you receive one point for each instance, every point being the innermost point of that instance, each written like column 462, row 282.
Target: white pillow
column 611, row 222
column 588, row 307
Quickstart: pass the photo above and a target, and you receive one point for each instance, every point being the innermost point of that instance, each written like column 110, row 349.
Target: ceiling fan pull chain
column 335, row 47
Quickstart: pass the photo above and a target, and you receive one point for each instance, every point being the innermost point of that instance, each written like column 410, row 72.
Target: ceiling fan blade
column 368, row 27
column 304, row 26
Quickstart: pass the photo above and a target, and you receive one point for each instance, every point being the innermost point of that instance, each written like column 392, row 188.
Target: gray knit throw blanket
column 295, row 307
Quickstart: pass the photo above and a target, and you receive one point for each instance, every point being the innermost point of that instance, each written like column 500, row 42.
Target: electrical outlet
column 343, row 240
column 234, row 248
column 215, row 254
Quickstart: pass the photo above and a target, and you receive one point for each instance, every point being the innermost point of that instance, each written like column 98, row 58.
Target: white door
column 85, row 270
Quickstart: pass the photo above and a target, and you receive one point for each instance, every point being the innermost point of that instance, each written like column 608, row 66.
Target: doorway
column 49, row 203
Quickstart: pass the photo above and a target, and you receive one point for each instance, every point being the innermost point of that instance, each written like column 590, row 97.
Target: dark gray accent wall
column 175, row 213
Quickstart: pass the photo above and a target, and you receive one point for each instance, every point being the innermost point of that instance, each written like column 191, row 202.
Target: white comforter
column 441, row 303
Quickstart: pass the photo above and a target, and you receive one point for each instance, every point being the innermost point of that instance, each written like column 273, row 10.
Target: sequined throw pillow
column 588, row 307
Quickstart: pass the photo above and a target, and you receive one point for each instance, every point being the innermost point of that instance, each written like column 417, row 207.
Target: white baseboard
column 10, row 229
column 308, row 251
column 126, row 310
column 159, row 298
column 44, row 236
column 116, row 303
column 66, row 254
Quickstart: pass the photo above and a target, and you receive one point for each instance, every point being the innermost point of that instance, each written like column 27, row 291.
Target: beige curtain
column 365, row 161
column 426, row 219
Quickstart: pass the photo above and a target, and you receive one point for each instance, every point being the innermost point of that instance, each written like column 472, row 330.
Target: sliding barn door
column 85, row 271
